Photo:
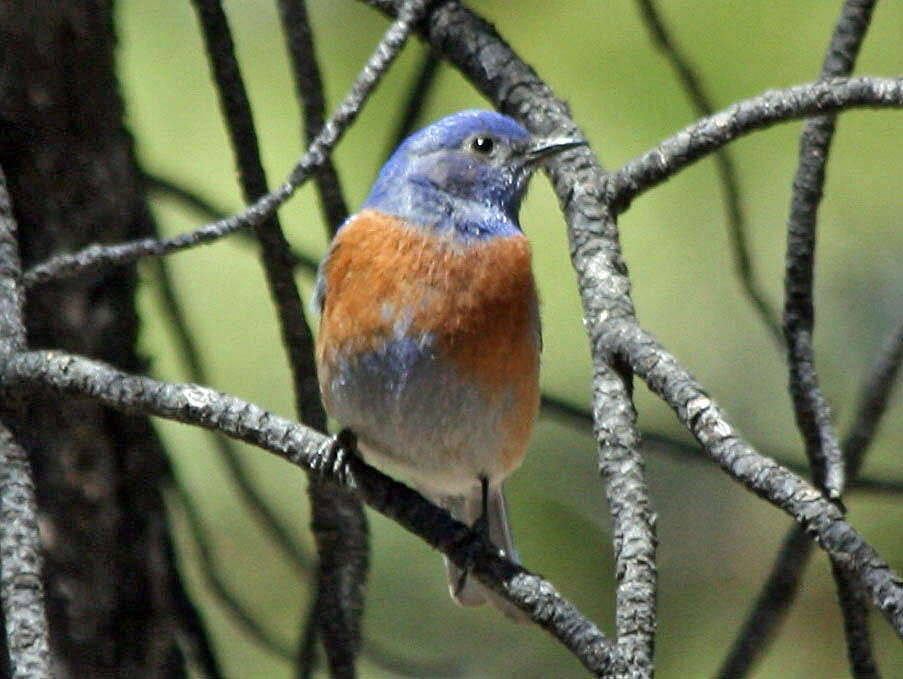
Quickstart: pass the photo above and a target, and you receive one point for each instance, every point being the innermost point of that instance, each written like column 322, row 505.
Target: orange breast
column 476, row 300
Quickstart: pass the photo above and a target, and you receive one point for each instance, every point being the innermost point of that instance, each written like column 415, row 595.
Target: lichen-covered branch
column 311, row 450
column 763, row 476
column 21, row 582
column 711, row 133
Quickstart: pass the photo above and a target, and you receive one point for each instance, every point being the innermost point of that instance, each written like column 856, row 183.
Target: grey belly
column 412, row 411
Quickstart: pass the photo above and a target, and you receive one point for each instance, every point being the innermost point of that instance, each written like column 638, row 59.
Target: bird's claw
column 333, row 465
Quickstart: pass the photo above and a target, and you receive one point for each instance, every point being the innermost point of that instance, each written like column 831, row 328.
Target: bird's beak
column 543, row 148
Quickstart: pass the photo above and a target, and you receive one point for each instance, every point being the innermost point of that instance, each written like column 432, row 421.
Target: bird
column 429, row 342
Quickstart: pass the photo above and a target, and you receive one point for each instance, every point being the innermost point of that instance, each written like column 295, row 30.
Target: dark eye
column 482, row 145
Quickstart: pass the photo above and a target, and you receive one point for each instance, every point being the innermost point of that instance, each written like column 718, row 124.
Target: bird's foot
column 333, row 464
column 481, row 528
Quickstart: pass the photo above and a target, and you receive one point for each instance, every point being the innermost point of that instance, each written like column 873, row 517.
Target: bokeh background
column 716, row 540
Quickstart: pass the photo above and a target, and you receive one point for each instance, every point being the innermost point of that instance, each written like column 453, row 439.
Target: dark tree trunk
column 112, row 588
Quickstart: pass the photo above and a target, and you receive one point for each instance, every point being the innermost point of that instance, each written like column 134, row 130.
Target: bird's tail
column 465, row 589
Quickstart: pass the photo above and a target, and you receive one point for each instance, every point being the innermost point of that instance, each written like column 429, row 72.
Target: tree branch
column 711, row 133
column 204, row 207
column 813, row 414
column 763, row 476
column 338, row 521
column 97, row 256
column 306, row 448
column 338, row 606
column 21, row 559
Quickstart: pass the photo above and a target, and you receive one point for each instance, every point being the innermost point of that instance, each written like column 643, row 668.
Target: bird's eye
column 482, row 145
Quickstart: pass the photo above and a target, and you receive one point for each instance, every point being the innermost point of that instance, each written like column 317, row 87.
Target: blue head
column 465, row 174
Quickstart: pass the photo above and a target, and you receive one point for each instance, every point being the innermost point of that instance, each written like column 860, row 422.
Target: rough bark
column 73, row 180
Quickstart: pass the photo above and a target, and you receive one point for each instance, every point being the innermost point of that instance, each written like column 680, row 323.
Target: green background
column 716, row 540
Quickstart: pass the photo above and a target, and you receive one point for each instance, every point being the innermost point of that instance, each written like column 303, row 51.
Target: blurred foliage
column 716, row 541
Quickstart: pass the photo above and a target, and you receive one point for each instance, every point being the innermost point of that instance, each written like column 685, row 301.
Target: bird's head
column 465, row 174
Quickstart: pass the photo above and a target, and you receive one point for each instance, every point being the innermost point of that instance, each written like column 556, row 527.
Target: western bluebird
column 429, row 334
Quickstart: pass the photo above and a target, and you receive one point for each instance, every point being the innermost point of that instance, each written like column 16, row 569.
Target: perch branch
column 306, row 448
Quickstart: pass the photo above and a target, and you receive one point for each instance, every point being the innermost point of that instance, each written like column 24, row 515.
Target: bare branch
column 780, row 589
column 306, row 448
column 97, row 256
column 724, row 163
column 338, row 520
column 204, row 207
column 762, row 475
column 21, row 581
column 813, row 414
column 21, row 584
column 711, row 133
column 296, row 335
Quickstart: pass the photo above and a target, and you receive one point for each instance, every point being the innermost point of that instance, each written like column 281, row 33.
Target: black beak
column 543, row 148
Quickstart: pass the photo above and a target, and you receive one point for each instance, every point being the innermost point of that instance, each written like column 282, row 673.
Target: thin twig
column 96, row 256
column 813, row 413
column 309, row 84
column 204, row 207
column 21, row 559
column 724, row 163
column 346, row 597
